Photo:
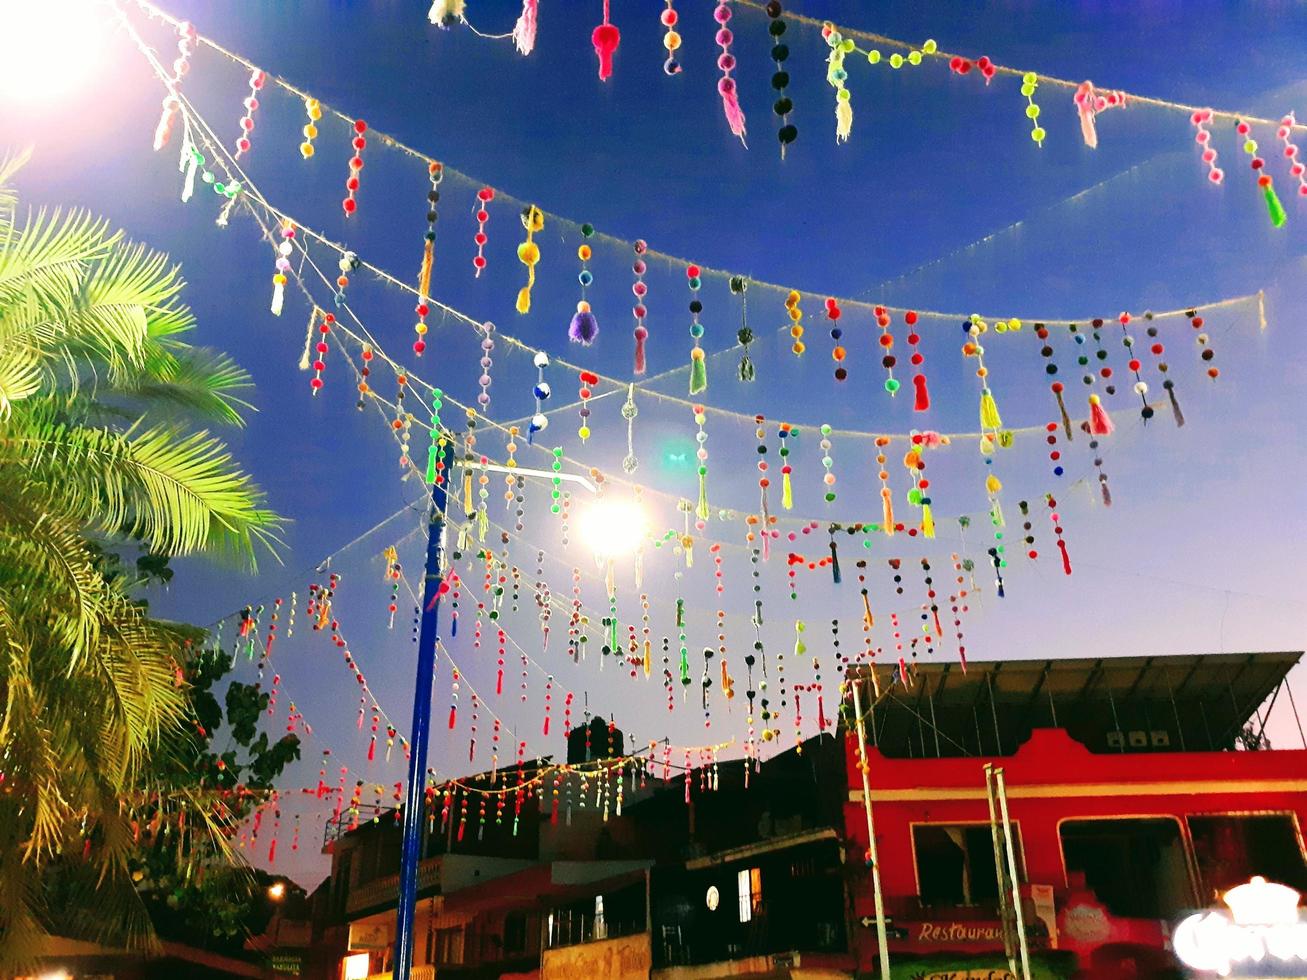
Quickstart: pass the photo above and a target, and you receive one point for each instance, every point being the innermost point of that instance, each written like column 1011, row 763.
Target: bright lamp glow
column 277, row 891
column 51, row 49
column 612, row 528
column 356, row 966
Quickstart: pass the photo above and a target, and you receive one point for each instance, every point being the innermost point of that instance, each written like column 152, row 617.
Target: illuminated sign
column 1263, row 927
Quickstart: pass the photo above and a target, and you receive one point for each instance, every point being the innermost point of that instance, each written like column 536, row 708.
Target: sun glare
column 51, row 49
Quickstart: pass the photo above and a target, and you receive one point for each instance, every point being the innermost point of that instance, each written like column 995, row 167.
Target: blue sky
column 938, row 201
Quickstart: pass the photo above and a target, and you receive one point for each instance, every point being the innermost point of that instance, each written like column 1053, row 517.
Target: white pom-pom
column 539, row 422
column 541, row 359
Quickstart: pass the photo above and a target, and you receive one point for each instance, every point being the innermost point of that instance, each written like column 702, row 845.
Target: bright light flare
column 613, row 528
column 277, row 891
column 51, row 49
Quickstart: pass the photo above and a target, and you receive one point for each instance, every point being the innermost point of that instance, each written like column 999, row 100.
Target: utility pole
column 882, row 939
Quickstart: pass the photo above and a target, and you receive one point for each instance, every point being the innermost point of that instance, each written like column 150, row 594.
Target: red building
column 1138, row 789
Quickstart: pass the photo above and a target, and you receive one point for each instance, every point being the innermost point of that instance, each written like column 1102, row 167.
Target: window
column 515, row 932
column 601, row 927
column 955, row 863
column 749, row 882
column 449, row 945
column 355, row 966
column 1230, row 849
column 1134, row 866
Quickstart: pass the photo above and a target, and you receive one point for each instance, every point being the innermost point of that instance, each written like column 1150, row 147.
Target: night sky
column 939, row 201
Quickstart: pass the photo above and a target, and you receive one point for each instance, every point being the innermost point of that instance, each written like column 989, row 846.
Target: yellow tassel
column 524, row 295
column 787, row 492
column 424, row 273
column 467, row 491
column 927, row 521
column 648, row 659
column 992, row 486
column 888, row 511
column 701, row 510
column 989, row 417
column 866, row 611
column 843, row 120
column 483, row 524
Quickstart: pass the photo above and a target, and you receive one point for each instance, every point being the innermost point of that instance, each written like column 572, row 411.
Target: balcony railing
column 385, row 890
column 338, row 826
column 417, row 973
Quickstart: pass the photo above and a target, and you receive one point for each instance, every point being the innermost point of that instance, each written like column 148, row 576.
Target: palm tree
column 100, row 400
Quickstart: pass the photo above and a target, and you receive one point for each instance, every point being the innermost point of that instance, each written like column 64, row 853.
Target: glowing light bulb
column 51, row 50
column 612, row 528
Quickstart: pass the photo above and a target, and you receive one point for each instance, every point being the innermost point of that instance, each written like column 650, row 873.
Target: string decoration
column 886, row 495
column 787, row 488
column 1134, row 364
column 1100, row 352
column 320, row 350
column 671, row 39
column 394, row 573
column 963, row 66
column 1203, row 137
column 348, row 262
column 726, row 64
column 524, row 30
column 1264, row 180
column 284, row 249
column 630, row 462
column 403, row 422
column 436, row 173
column 1089, row 103
column 1158, row 349
column 1054, row 454
column 605, row 38
column 744, row 336
column 1029, row 539
column 528, row 253
column 921, row 394
column 698, row 364
column 487, row 360
column 584, row 328
column 886, row 340
column 556, row 492
column 837, row 352
column 541, row 392
column 640, row 290
column 359, row 141
column 313, row 110
column 436, row 450
column 187, row 38
column 587, row 378
column 1104, row 489
column 482, row 215
column 1030, row 82
column 897, row 60
column 827, row 462
column 1056, row 519
column 763, row 480
column 1205, row 351
column 796, row 321
column 914, row 461
column 445, row 14
column 251, row 104
column 1297, row 169
column 957, row 606
column 836, row 77
column 787, row 133
column 1050, row 368
column 701, row 510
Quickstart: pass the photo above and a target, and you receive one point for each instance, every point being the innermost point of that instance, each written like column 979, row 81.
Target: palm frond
column 206, row 382
column 48, row 254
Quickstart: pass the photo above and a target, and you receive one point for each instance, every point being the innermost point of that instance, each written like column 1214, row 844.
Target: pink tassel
column 272, row 851
column 731, row 106
column 1100, row 423
column 641, row 334
column 605, row 38
column 524, row 31
column 1066, row 558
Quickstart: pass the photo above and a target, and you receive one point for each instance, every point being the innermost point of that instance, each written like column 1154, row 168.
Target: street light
column 50, row 50
column 612, row 527
column 277, row 891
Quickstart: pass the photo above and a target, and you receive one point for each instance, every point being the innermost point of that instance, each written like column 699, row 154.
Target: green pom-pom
column 914, row 497
column 587, row 229
column 892, row 385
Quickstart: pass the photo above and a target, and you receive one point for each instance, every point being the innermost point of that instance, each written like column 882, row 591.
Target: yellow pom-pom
column 306, row 150
column 528, row 253
column 310, row 131
column 584, row 432
column 671, row 40
column 583, row 253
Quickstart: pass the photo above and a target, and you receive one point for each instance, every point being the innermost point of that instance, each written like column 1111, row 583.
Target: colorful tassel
column 284, row 248
column 605, row 38
column 726, row 62
column 1273, row 205
column 927, row 520
column 698, row 371
column 446, row 13
column 921, row 401
column 524, row 31
column 528, row 253
column 989, row 417
column 698, row 366
column 836, row 76
column 584, row 328
column 1100, row 423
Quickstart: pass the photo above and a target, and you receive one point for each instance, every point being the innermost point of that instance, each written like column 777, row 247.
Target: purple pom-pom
column 584, row 328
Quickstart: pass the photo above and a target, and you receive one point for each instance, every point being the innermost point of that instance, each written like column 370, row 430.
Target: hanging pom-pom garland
column 528, row 253
column 780, row 80
column 1029, row 539
column 787, row 487
column 640, row 290
column 1054, row 454
column 744, row 336
column 487, row 360
column 584, row 328
column 796, row 321
column 836, row 334
column 1089, row 103
column 962, row 66
column 836, row 77
column 1104, row 489
column 1203, row 137
column 313, row 110
column 1273, row 206
column 186, row 41
column 436, row 173
column 921, row 394
column 320, row 350
column 605, row 38
column 284, row 248
column 887, row 360
column 1205, row 350
column 524, row 31
column 587, row 378
column 915, row 463
column 828, row 478
column 1134, row 364
column 726, row 64
column 541, row 391
column 698, row 366
column 482, row 215
column 1050, row 368
column 350, row 204
column 630, row 462
column 1297, row 170
column 348, row 262
column 671, row 39
column 886, row 495
column 763, row 481
column 251, row 104
column 1030, row 82
column 1057, row 530
column 1157, row 349
column 701, row 437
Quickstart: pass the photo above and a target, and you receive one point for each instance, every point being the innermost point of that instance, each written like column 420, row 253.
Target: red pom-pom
column 360, row 126
column 349, row 204
column 692, row 272
column 910, row 317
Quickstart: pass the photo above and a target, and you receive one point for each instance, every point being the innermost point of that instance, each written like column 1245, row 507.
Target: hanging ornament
column 726, row 63
column 701, row 510
column 963, row 66
column 320, row 350
column 837, row 352
column 1205, row 351
column 887, row 360
column 348, row 262
column 1089, row 103
column 436, row 173
column 584, row 328
column 187, row 38
column 284, row 248
column 313, row 110
column 829, row 477
column 1273, row 206
column 629, row 412
column 446, row 13
column 671, row 39
column 1100, row 352
column 1297, row 169
column 251, row 104
column 541, row 392
column 921, row 395
column 556, row 493
column 528, row 253
column 836, row 77
column 1030, row 82
column 744, row 336
column 796, row 321
column 958, row 606
column 588, row 378
column 868, row 620
column 1050, row 368
column 1054, row 454
column 1029, row 539
column 1134, row 364
column 403, row 422
column 482, row 215
column 698, row 366
column 350, row 204
column 394, row 573
column 780, row 80
column 1104, row 489
column 524, row 30
column 605, row 38
column 763, row 481
column 640, row 289
column 1203, row 137
column 436, row 450
column 1157, row 349
column 784, row 431
column 886, row 495
column 1057, row 530
column 914, row 461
